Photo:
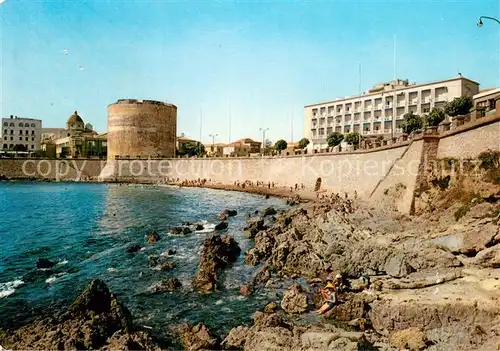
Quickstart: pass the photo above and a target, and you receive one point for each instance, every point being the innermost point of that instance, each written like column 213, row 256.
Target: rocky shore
column 424, row 282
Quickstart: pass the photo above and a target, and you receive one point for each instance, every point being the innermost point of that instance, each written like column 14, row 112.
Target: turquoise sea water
column 86, row 229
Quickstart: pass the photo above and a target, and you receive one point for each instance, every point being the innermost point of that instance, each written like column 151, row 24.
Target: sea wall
column 61, row 170
column 346, row 172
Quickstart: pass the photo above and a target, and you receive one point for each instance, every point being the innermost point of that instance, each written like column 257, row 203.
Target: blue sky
column 259, row 61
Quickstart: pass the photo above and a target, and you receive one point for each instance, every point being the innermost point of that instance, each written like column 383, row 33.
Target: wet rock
column 246, row 289
column 294, row 300
column 221, row 226
column 133, row 248
column 198, row 337
column 217, row 252
column 168, row 285
column 199, row 227
column 43, row 263
column 253, row 227
column 171, row 252
column 90, row 320
column 261, row 277
column 152, row 237
column 271, row 307
column 180, row 230
column 222, row 217
column 269, row 211
column 235, row 340
column 230, row 213
column 413, row 339
column 161, row 263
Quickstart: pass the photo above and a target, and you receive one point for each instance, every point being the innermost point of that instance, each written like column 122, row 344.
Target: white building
column 380, row 110
column 21, row 131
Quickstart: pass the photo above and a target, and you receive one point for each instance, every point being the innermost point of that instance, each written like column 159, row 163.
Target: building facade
column 141, row 129
column 380, row 110
column 241, row 148
column 23, row 132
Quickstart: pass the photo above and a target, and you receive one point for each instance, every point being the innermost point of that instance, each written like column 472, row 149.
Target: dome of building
column 75, row 121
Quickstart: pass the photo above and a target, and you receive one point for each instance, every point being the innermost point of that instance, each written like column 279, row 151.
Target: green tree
column 303, row 143
column 435, row 117
column 334, row 139
column 191, row 148
column 459, row 106
column 412, row 122
column 352, row 138
column 280, row 145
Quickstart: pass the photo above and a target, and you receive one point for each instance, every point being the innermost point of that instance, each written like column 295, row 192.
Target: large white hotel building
column 380, row 110
column 21, row 131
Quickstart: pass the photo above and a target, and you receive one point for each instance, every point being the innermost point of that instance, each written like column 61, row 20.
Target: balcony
column 388, row 118
column 399, row 130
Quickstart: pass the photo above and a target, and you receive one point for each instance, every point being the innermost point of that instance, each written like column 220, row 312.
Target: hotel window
column 20, row 138
column 11, row 131
column 32, row 132
column 32, row 139
column 11, row 138
column 32, row 125
column 32, row 146
column 20, row 124
column 5, row 138
column 4, row 146
column 26, row 138
column 12, row 124
column 5, row 124
column 20, row 132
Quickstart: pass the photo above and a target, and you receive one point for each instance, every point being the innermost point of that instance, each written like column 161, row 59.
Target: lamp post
column 480, row 22
column 263, row 139
column 213, row 140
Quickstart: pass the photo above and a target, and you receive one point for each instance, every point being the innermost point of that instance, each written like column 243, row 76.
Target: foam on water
column 9, row 288
column 62, row 263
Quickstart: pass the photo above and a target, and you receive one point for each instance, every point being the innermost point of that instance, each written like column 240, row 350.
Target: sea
column 86, row 228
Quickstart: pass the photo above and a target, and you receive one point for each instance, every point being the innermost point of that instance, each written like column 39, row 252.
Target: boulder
column 230, row 213
column 133, row 248
column 271, row 307
column 152, row 237
column 221, row 226
column 235, row 340
column 180, row 230
column 168, row 285
column 469, row 240
column 269, row 211
column 488, row 258
column 43, row 263
column 160, row 262
column 217, row 252
column 222, row 217
column 198, row 337
column 199, row 227
column 253, row 227
column 350, row 306
column 413, row 339
column 123, row 341
column 294, row 300
column 263, row 320
column 396, row 266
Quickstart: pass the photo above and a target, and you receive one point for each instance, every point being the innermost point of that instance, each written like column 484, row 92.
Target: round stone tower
column 141, row 129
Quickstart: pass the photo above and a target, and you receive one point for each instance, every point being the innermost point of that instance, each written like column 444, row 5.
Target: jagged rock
column 263, row 320
column 221, row 226
column 217, row 252
column 230, row 213
column 161, row 263
column 171, row 252
column 253, row 227
column 294, row 301
column 168, row 285
column 222, row 217
column 269, row 211
column 235, row 340
column 94, row 317
column 133, row 248
column 180, row 230
column 271, row 307
column 199, row 227
column 469, row 241
column 152, row 237
column 350, row 306
column 122, row 341
column 198, row 337
column 413, row 339
column 488, row 258
column 271, row 339
column 397, row 266
column 43, row 263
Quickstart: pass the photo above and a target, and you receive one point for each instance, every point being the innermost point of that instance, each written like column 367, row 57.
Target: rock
column 160, row 262
column 253, row 227
column 168, row 285
column 413, row 339
column 199, row 227
column 122, row 341
column 152, row 237
column 180, row 230
column 222, row 217
column 351, row 306
column 318, row 340
column 294, row 301
column 230, row 213
column 268, row 320
column 397, row 266
column 246, row 289
column 171, row 252
column 133, row 248
column 269, row 211
column 43, row 263
column 469, row 240
column 217, row 252
column 271, row 339
column 94, row 317
column 261, row 277
column 271, row 307
column 221, row 226
column 198, row 337
column 235, row 340
column 488, row 258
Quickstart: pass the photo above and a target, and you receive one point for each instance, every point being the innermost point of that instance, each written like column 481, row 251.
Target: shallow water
column 86, row 229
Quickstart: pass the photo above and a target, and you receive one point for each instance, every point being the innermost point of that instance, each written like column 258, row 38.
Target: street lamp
column 213, row 140
column 263, row 139
column 480, row 22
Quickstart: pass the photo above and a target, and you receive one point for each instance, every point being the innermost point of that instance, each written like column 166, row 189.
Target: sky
column 253, row 63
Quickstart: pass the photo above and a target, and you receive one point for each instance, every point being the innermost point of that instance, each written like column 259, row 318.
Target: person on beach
column 329, row 297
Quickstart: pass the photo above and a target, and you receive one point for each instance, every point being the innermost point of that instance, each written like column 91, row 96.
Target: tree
column 334, row 139
column 459, row 106
column 280, row 145
column 352, row 138
column 412, row 122
column 191, row 148
column 303, row 143
column 435, row 117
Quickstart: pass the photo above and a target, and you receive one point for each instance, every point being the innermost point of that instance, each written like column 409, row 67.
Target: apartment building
column 21, row 131
column 380, row 110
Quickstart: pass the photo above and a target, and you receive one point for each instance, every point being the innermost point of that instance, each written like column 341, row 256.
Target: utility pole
column 213, row 140
column 263, row 139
